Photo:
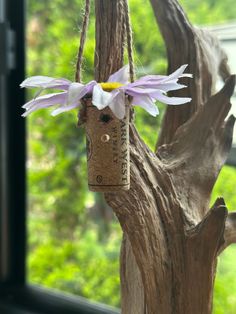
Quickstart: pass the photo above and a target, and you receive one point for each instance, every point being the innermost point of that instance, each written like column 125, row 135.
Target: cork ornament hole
column 105, row 138
column 105, row 118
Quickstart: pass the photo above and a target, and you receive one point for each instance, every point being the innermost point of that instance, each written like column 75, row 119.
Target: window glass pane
column 227, row 35
column 73, row 236
column 225, row 283
column 74, row 239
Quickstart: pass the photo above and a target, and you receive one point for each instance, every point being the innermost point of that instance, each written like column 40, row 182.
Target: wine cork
column 108, row 156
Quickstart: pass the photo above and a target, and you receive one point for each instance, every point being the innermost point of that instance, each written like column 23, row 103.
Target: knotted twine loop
column 126, row 27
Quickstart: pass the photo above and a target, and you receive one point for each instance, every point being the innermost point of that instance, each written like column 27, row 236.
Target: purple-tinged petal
column 121, row 76
column 64, row 109
column 117, row 104
column 88, row 88
column 74, row 93
column 148, row 78
column 158, row 95
column 178, row 73
column 161, row 79
column 45, row 101
column 171, row 100
column 45, row 82
column 165, row 87
column 135, row 91
column 46, row 98
column 146, row 103
column 77, row 91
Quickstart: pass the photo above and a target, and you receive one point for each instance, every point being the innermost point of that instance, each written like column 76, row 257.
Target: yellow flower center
column 109, row 86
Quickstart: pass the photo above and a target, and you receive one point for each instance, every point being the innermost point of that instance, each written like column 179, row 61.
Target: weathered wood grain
column 171, row 237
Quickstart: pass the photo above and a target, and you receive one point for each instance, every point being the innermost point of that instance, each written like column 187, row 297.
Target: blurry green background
column 74, row 238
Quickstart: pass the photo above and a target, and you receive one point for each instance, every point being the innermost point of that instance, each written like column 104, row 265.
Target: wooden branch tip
column 213, row 224
column 229, row 86
column 230, row 231
column 219, row 202
column 228, row 132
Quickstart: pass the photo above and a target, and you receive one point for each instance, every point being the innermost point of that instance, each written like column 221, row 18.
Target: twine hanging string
column 129, row 40
column 123, row 32
column 82, row 41
column 126, row 27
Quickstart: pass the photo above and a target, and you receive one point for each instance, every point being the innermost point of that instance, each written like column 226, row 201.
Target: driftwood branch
column 171, row 199
column 210, row 229
column 199, row 150
column 171, row 238
column 186, row 44
column 230, row 231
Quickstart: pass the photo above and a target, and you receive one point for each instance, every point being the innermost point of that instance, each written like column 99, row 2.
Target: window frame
column 16, row 295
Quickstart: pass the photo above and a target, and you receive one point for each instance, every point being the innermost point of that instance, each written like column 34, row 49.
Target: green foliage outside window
column 74, row 239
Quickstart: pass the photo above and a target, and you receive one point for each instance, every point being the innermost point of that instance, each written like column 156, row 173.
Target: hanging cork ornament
column 108, row 156
column 106, row 107
column 107, row 149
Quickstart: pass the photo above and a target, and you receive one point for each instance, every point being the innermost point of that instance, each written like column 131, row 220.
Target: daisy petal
column 74, row 93
column 171, row 100
column 149, row 78
column 64, row 109
column 121, row 76
column 45, row 82
column 100, row 98
column 88, row 88
column 165, row 87
column 160, row 79
column 146, row 103
column 136, row 91
column 176, row 74
column 45, row 101
column 117, row 105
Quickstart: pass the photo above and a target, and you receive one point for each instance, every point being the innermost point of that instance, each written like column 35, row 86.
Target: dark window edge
column 36, row 299
column 6, row 308
column 231, row 161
